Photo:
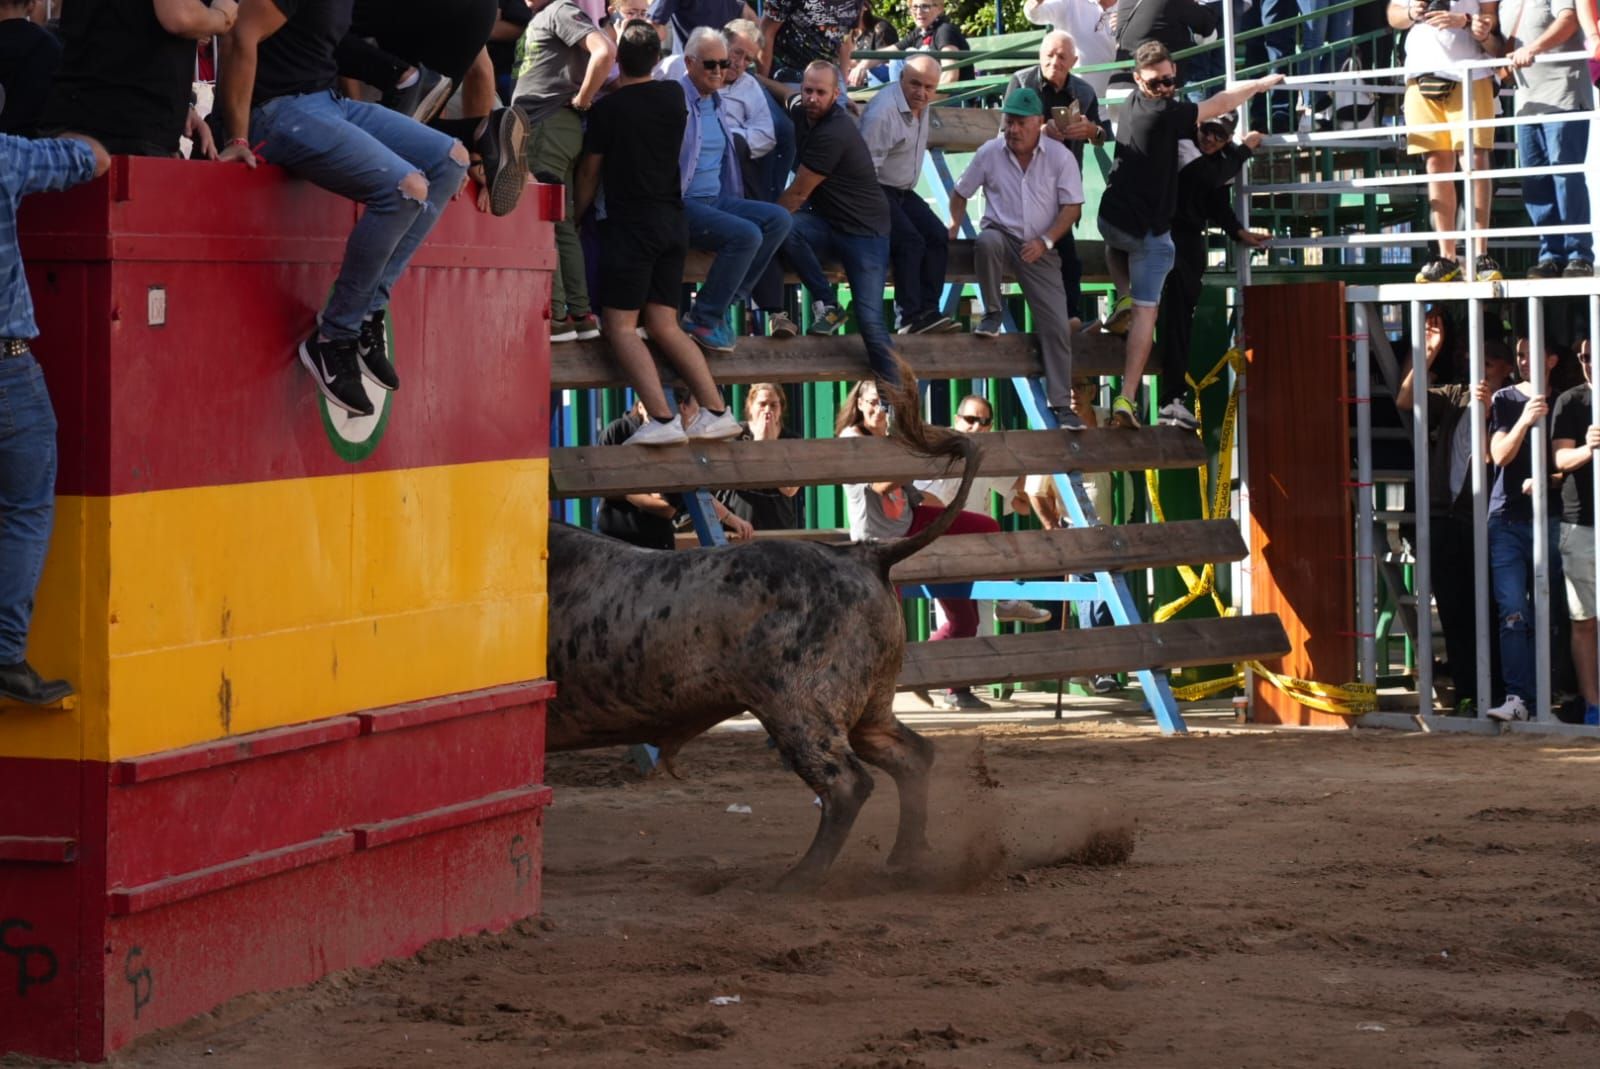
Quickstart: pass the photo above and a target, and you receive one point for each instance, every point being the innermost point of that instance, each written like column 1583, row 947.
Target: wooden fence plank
column 588, row 364
column 609, row 471
column 1062, row 654
column 1038, row 554
column 962, row 267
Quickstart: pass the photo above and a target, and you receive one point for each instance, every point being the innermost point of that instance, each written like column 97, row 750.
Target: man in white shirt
column 895, row 127
column 1089, row 23
column 1032, row 194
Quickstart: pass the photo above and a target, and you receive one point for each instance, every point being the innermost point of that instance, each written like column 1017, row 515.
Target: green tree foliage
column 975, row 17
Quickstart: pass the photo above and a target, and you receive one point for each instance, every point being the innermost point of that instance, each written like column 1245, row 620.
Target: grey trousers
column 997, row 253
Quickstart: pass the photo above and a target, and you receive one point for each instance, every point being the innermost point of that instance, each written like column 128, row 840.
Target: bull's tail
column 929, row 441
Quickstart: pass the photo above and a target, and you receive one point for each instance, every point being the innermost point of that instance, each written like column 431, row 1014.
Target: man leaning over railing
column 1440, row 34
column 1556, row 90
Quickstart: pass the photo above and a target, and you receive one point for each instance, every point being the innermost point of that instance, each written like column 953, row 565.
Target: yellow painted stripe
column 198, row 613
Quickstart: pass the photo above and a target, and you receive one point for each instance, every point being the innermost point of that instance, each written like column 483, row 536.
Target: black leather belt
column 10, row 347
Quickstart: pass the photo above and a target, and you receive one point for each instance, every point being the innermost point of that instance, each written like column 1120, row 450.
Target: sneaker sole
column 322, row 387
column 1125, row 420
column 1119, row 322
column 587, row 334
column 822, row 332
column 505, row 188
column 708, row 346
column 784, row 335
column 429, row 107
column 937, row 327
column 716, row 437
column 977, row 333
column 1454, row 276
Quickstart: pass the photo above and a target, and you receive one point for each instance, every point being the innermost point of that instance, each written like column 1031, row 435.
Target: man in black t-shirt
column 839, row 213
column 127, row 72
column 29, row 56
column 1574, row 437
column 631, row 148
column 275, row 95
column 1136, row 209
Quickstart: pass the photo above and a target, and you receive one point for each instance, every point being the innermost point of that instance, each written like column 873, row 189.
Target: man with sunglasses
column 1141, row 196
column 742, row 233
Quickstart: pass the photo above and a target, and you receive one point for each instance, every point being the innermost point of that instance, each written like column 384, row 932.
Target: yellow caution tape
column 1350, row 699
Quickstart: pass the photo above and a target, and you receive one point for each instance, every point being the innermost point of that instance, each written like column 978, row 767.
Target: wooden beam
column 1038, row 554
column 610, row 471
column 961, row 268
column 962, row 662
column 962, row 129
column 585, row 365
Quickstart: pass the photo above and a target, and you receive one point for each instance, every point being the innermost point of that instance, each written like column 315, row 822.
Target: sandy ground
column 1292, row 899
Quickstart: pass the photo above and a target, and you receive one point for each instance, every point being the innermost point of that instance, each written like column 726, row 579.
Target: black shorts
column 641, row 260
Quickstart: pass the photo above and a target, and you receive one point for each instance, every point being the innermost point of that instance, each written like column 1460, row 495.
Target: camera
column 1438, row 5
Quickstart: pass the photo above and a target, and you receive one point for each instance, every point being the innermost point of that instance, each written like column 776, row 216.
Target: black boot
column 20, row 683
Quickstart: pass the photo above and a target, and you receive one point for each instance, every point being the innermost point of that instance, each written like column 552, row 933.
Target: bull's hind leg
column 884, row 742
column 814, row 744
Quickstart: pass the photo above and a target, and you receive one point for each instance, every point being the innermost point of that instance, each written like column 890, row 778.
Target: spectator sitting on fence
column 743, row 234
column 1558, row 91
column 1141, row 196
column 886, row 510
column 566, row 59
column 773, row 508
column 799, row 32
column 1435, row 40
column 1033, row 194
column 27, row 421
column 895, row 127
column 631, row 149
column 276, row 97
column 1514, row 412
column 127, row 73
column 1451, row 540
column 1089, row 22
column 930, row 32
column 1207, row 167
column 649, row 521
column 675, row 20
column 29, row 56
column 839, row 212
column 975, row 415
column 1072, row 117
column 763, row 138
column 1574, row 438
column 873, row 34
column 418, row 52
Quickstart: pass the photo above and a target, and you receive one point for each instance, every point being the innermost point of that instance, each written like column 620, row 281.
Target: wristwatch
column 1048, row 244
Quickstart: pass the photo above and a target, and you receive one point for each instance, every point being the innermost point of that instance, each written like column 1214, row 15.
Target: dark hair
column 638, row 48
column 1151, row 53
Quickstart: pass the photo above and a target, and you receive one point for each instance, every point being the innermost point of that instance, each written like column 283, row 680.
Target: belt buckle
column 14, row 347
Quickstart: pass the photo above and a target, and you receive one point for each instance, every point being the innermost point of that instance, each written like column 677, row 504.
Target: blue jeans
column 27, row 496
column 1511, row 575
column 743, row 234
column 866, row 267
column 362, row 151
column 1557, row 199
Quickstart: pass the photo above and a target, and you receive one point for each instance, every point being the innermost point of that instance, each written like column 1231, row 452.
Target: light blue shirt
column 707, row 181
column 30, row 167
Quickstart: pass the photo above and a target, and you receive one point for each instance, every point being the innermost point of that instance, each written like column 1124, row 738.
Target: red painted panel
column 47, row 849
column 122, row 901
column 415, row 714
column 444, row 818
column 214, row 394
column 239, row 748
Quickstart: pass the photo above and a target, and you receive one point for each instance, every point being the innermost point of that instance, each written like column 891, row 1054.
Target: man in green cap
column 1033, row 193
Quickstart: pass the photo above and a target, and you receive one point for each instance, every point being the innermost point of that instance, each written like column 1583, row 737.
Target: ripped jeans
column 1511, row 578
column 364, row 152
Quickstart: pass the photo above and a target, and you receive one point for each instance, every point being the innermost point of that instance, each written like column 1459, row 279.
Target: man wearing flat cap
column 1033, row 193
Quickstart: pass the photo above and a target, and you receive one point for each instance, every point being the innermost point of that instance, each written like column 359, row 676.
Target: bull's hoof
column 909, row 859
column 799, row 880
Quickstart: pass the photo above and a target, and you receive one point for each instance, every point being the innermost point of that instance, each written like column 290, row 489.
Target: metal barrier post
column 1366, row 569
column 1594, row 418
column 1480, row 510
column 1422, row 550
column 1468, row 160
column 1538, row 441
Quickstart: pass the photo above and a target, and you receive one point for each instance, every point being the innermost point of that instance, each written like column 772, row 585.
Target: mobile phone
column 1066, row 115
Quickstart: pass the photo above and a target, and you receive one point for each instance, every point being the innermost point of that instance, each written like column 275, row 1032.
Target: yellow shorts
column 1421, row 111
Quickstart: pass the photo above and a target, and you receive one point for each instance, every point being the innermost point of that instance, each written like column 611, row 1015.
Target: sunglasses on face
column 1166, row 81
column 716, row 64
column 981, row 421
column 872, row 402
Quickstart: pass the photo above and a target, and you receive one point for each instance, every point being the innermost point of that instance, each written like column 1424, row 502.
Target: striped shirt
column 30, row 167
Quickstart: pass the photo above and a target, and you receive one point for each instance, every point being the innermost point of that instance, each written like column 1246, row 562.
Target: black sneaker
column 372, row 350
column 1439, row 269
column 1545, row 269
column 334, row 365
column 1176, row 414
column 928, row 323
column 424, row 98
column 1578, row 269
column 1486, row 269
column 20, row 683
column 505, row 159
column 1067, row 419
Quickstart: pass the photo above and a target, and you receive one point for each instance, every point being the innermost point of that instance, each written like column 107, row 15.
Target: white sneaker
column 1510, row 709
column 1023, row 611
column 705, row 425
column 654, row 432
